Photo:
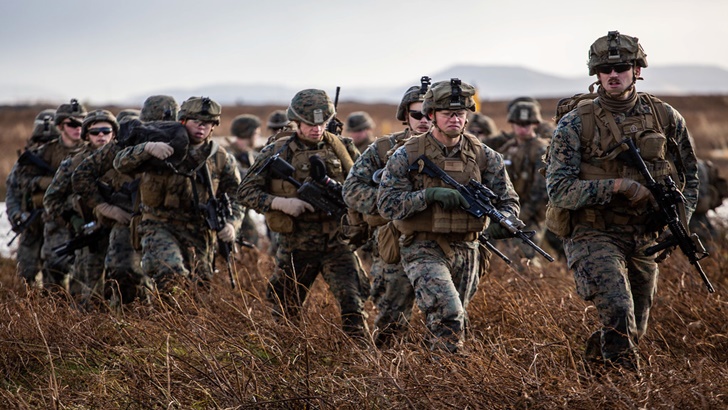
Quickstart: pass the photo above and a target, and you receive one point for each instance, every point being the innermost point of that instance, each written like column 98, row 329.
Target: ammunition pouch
column 388, row 243
column 278, row 221
column 134, row 236
column 558, row 220
column 484, row 257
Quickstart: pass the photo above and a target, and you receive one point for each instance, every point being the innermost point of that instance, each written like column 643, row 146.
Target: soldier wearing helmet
column 277, row 122
column 97, row 129
column 439, row 248
column 307, row 238
column 360, row 128
column 159, row 108
column 245, row 129
column 600, row 204
column 177, row 245
column 482, row 126
column 128, row 114
column 523, row 157
column 391, row 291
column 35, row 171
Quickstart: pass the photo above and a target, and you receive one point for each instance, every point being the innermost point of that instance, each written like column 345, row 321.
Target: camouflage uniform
column 361, row 122
column 244, row 126
column 177, row 245
column 713, row 190
column 308, row 245
column 439, row 248
column 19, row 209
column 609, row 235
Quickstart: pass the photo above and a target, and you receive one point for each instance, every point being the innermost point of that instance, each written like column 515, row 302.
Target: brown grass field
column 223, row 350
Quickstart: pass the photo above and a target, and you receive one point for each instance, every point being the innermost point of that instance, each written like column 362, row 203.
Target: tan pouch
column 484, row 255
column 134, row 236
column 278, row 221
column 388, row 243
column 558, row 220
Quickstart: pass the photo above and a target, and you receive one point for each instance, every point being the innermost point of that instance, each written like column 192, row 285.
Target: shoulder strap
column 340, row 150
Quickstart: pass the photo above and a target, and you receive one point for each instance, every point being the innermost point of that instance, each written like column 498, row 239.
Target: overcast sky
column 105, row 51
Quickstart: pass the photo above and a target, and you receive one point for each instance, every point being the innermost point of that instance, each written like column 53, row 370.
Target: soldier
column 246, row 130
column 277, row 122
column 24, row 217
column 34, row 176
column 124, row 279
column 439, row 247
column 360, row 128
column 98, row 128
column 128, row 114
column 543, row 130
column 713, row 190
column 482, row 126
column 308, row 243
column 600, row 201
column 177, row 245
column 523, row 157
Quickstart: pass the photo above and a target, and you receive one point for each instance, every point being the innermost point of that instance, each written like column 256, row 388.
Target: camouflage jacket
column 566, row 189
column 523, row 162
column 397, row 200
column 58, row 201
column 13, row 196
column 359, row 191
column 176, row 197
column 98, row 168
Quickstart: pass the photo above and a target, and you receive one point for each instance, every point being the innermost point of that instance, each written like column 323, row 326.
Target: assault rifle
column 29, row 158
column 335, row 126
column 669, row 200
column 91, row 234
column 123, row 198
column 480, row 199
column 26, row 219
column 321, row 191
column 217, row 212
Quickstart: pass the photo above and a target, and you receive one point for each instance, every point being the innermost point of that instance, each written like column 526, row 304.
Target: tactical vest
column 173, row 193
column 520, row 164
column 467, row 166
column 385, row 147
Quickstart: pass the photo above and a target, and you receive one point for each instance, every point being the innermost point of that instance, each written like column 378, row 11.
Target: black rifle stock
column 321, row 192
column 217, row 212
column 669, row 199
column 480, row 199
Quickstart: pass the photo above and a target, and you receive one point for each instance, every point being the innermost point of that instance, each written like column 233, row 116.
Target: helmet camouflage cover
column 416, row 93
column 98, row 116
column 243, row 126
column 159, row 108
column 525, row 112
column 449, row 95
column 359, row 121
column 616, row 48
column 127, row 114
column 479, row 123
column 43, row 126
column 72, row 109
column 277, row 119
column 200, row 108
column 312, row 107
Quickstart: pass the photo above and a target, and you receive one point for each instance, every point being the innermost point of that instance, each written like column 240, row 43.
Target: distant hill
column 494, row 83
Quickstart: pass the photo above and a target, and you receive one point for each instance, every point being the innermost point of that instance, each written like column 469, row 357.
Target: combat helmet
column 159, row 108
column 449, row 95
column 616, row 48
column 244, row 126
column 44, row 129
column 98, row 116
column 522, row 99
column 524, row 112
column 73, row 109
column 127, row 114
column 359, row 121
column 312, row 107
column 479, row 123
column 277, row 120
column 200, row 108
column 416, row 93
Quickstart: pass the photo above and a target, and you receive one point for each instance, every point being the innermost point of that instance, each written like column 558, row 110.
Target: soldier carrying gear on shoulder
column 439, row 249
column 308, row 240
column 177, row 246
column 391, row 290
column 599, row 203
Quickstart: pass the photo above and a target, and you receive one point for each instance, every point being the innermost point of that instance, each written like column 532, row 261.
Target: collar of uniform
column 300, row 145
column 447, row 152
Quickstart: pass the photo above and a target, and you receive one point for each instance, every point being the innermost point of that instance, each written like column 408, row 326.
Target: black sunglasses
column 97, row 131
column 72, row 124
column 607, row 68
column 418, row 115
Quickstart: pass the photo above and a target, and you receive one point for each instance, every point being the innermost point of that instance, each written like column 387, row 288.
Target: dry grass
column 224, row 350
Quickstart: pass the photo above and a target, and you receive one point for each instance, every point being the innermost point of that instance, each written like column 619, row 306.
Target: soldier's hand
column 636, row 193
column 447, row 197
column 160, row 150
column 112, row 212
column 497, row 231
column 227, row 234
column 291, row 206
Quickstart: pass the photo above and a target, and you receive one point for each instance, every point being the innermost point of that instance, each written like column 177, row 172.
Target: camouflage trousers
column 88, row 271
column 393, row 295
column 28, row 256
column 443, row 287
column 610, row 270
column 125, row 280
column 248, row 231
column 57, row 270
column 303, row 255
column 173, row 253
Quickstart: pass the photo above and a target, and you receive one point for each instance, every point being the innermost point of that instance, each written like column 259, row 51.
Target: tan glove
column 112, row 212
column 291, row 206
column 636, row 193
column 160, row 150
column 227, row 234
